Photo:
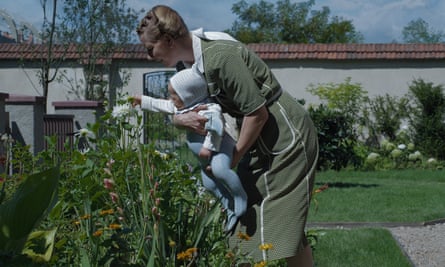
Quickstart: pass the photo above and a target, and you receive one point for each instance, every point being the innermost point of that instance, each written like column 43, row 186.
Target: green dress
column 278, row 172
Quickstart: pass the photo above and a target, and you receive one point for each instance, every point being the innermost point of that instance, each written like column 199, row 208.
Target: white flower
column 431, row 161
column 372, row 157
column 388, row 146
column 120, row 111
column 84, row 150
column 6, row 138
column 401, row 146
column 415, row 156
column 396, row 153
column 85, row 133
column 411, row 146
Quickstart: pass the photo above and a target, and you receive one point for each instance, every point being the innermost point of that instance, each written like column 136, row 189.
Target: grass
column 384, row 196
column 358, row 247
column 412, row 196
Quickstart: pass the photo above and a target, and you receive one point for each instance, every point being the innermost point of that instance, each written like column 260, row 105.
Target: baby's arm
column 154, row 104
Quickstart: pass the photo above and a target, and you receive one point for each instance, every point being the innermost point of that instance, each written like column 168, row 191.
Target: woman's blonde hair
column 162, row 20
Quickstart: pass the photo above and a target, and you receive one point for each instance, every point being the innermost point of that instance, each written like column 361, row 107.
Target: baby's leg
column 218, row 190
column 220, row 164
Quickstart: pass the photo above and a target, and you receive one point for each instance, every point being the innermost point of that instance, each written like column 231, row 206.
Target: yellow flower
column 115, row 226
column 187, row 255
column 192, row 250
column 76, row 223
column 260, row 264
column 106, row 212
column 98, row 233
column 243, row 236
column 266, row 246
column 85, row 217
column 183, row 256
column 172, row 243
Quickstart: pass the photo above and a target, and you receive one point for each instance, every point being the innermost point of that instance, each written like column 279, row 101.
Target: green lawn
column 385, row 196
column 357, row 248
column 405, row 196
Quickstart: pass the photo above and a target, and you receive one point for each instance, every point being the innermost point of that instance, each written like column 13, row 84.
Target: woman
column 276, row 150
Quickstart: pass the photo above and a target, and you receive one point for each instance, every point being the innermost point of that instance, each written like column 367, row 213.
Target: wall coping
column 77, row 104
column 24, row 99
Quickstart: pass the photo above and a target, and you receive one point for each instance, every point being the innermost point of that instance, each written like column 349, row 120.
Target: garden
column 118, row 199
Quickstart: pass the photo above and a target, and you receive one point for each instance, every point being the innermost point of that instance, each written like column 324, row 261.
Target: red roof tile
column 265, row 51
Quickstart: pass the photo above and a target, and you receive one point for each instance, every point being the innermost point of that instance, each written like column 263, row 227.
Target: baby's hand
column 205, row 153
column 134, row 100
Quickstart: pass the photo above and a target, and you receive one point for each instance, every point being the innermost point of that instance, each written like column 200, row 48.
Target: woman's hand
column 249, row 132
column 191, row 121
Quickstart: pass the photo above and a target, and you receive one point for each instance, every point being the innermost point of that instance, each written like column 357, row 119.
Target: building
column 379, row 68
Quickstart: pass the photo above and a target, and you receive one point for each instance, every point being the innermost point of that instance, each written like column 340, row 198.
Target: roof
column 264, row 50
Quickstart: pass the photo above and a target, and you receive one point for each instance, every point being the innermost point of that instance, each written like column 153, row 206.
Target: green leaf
column 29, row 204
column 40, row 245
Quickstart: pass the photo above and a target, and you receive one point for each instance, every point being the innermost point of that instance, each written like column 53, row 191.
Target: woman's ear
column 169, row 40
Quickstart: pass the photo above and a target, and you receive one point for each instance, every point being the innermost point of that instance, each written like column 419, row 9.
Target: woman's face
column 160, row 50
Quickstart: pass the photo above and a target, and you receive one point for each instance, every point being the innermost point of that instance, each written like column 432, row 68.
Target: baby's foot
column 231, row 222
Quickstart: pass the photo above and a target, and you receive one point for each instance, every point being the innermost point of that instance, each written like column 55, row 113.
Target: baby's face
column 175, row 98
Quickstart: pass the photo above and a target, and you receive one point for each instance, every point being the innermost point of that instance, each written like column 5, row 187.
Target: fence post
column 26, row 120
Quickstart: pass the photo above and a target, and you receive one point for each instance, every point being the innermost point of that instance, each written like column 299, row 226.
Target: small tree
column 98, row 28
column 428, row 117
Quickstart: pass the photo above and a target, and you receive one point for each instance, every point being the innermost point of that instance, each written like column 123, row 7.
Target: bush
column 428, row 117
column 336, row 138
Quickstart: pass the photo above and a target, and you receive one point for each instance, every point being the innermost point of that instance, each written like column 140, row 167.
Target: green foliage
column 23, row 211
column 337, row 121
column 428, row 117
column 335, row 136
column 419, row 31
column 346, row 97
column 384, row 116
column 122, row 202
column 288, row 22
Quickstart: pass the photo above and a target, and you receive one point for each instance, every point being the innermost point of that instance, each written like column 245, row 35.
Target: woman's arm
column 249, row 132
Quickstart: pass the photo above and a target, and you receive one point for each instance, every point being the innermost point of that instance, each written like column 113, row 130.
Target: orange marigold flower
column 85, row 217
column 192, row 250
column 187, row 255
column 260, row 264
column 182, row 256
column 106, row 212
column 115, row 226
column 266, row 246
column 243, row 236
column 98, row 233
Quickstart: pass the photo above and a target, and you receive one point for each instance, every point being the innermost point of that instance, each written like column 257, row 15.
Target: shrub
column 428, row 117
column 335, row 136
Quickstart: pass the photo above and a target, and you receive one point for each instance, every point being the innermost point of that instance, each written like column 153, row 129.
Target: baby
column 188, row 89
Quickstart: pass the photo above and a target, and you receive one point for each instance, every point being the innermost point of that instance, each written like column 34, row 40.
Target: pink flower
column 114, row 197
column 108, row 183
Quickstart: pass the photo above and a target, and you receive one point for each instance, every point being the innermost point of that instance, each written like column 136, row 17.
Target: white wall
column 376, row 77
